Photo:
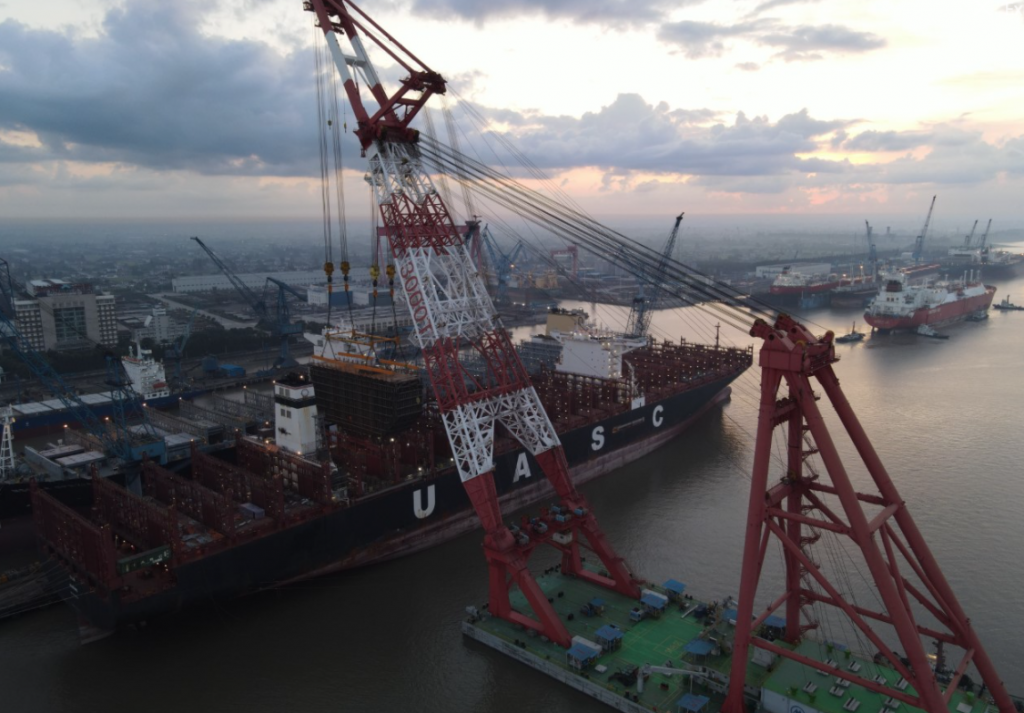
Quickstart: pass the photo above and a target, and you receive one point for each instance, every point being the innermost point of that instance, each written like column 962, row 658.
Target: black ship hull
column 400, row 520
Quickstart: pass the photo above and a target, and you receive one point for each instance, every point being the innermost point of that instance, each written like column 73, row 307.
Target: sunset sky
column 164, row 109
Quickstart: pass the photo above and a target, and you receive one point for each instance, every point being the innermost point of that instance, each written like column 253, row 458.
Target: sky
column 140, row 109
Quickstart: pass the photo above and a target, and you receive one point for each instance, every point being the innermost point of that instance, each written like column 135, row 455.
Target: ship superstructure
column 147, row 374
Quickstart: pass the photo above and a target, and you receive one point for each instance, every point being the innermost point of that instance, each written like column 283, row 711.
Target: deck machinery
column 455, row 320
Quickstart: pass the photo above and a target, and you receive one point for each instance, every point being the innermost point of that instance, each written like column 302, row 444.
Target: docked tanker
column 901, row 305
column 360, row 470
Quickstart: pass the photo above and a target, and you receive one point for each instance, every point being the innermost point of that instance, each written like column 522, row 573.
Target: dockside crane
column 456, row 324
column 919, row 242
column 984, row 236
column 872, row 249
column 277, row 324
column 118, row 438
column 970, row 236
column 177, row 349
column 503, row 264
column 643, row 306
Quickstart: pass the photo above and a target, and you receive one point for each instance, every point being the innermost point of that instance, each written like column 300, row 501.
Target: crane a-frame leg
column 800, row 506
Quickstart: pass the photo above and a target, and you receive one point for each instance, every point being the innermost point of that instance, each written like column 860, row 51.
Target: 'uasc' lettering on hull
column 417, row 502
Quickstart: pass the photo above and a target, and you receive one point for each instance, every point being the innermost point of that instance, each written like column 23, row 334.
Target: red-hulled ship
column 902, row 306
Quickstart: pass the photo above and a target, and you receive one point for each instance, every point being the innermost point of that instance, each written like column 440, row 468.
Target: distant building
column 254, row 281
column 65, row 316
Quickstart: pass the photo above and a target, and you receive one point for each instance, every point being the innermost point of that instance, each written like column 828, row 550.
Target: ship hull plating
column 403, row 519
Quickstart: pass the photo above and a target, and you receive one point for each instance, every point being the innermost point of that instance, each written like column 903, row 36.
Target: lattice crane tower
column 453, row 316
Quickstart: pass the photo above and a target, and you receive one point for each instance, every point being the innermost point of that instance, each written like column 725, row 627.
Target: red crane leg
column 880, row 532
column 918, row 546
column 504, row 560
column 556, row 469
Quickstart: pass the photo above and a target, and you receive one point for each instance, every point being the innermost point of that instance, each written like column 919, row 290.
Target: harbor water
column 945, row 416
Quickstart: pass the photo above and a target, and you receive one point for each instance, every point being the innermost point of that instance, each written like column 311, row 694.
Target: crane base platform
column 676, row 638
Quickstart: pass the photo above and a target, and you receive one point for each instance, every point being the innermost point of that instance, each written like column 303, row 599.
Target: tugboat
column 1008, row 306
column 925, row 331
column 853, row 336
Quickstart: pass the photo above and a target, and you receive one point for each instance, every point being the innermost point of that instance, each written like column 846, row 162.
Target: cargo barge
column 672, row 652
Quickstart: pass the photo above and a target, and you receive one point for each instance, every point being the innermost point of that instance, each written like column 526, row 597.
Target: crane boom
column 258, row 304
column 643, row 307
column 970, row 236
column 984, row 236
column 919, row 243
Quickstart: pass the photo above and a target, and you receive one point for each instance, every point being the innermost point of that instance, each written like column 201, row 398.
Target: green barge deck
column 676, row 638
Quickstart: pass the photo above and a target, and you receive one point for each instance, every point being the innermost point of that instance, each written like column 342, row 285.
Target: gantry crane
column 453, row 316
column 277, row 323
column 644, row 305
column 919, row 242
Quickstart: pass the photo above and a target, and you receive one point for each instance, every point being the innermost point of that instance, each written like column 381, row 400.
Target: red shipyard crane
column 453, row 318
column 796, row 508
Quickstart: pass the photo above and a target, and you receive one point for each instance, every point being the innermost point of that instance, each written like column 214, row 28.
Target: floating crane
column 277, row 324
column 643, row 306
column 453, row 316
column 919, row 242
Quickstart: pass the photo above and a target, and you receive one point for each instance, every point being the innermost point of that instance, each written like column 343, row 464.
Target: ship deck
column 662, row 641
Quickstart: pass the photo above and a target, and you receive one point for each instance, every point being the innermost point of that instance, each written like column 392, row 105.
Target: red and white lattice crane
column 454, row 317
column 802, row 505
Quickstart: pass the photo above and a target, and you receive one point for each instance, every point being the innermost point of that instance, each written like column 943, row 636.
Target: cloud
column 748, row 66
column 802, row 43
column 631, row 135
column 807, row 42
column 772, row 4
column 167, row 98
column 706, row 39
column 614, row 12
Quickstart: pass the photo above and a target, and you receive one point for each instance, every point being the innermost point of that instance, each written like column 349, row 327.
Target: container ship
column 900, row 305
column 360, row 471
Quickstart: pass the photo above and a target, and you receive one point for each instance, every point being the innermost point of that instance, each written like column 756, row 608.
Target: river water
column 945, row 417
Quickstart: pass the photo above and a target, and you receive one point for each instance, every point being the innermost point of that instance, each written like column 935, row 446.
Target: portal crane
column 643, row 307
column 258, row 303
column 503, row 264
column 984, row 236
column 177, row 349
column 119, row 440
column 872, row 250
column 453, row 316
column 919, row 242
column 970, row 236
